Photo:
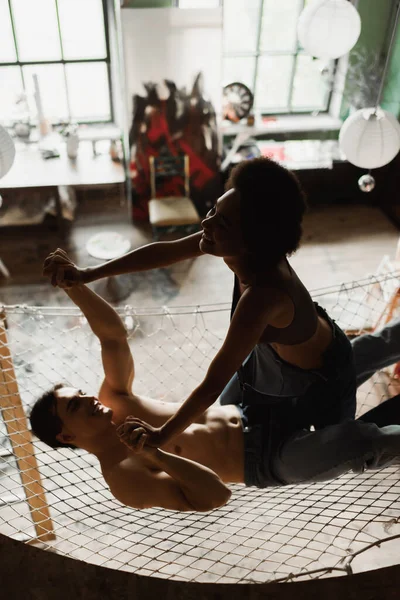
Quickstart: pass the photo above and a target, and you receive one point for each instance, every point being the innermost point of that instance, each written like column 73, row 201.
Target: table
column 30, row 170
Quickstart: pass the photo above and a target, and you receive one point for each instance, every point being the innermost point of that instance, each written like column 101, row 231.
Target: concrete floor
column 340, row 243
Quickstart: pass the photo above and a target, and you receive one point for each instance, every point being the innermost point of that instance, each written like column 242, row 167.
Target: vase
column 72, row 145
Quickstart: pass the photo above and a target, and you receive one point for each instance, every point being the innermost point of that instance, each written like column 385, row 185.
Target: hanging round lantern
column 370, row 138
column 7, row 152
column 328, row 28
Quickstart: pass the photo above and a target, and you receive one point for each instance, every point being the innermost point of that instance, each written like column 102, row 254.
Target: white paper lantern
column 370, row 138
column 7, row 152
column 328, row 28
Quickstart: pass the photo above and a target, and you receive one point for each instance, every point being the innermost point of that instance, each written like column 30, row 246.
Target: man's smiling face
column 83, row 416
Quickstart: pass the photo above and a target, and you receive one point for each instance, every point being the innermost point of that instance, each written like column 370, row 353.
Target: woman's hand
column 62, row 271
column 139, row 435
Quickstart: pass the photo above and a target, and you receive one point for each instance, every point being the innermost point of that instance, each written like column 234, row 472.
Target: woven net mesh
column 264, row 535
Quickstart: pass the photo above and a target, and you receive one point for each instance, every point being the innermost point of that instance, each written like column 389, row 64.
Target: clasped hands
column 62, row 271
column 139, row 435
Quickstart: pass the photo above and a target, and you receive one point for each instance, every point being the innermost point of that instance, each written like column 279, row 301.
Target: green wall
column 376, row 16
column 391, row 95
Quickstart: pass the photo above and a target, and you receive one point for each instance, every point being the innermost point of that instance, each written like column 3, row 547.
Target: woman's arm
column 151, row 256
column 254, row 310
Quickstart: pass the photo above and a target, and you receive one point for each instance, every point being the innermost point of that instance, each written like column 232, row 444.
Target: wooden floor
column 340, row 243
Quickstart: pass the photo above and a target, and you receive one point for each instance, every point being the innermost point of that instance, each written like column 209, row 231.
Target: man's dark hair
column 272, row 205
column 45, row 422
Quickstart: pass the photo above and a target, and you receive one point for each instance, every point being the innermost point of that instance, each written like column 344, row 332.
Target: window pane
column 82, row 37
column 239, row 69
column 273, row 81
column 7, row 48
column 52, row 90
column 199, row 3
column 36, row 29
column 88, row 90
column 241, row 19
column 310, row 91
column 279, row 25
column 11, row 87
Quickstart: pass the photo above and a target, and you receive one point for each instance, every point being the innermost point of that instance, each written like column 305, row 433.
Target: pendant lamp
column 328, row 29
column 370, row 138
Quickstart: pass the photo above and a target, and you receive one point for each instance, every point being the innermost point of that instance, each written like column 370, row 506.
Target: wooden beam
column 21, row 440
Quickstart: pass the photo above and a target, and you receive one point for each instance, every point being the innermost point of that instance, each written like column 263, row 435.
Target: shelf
column 283, row 124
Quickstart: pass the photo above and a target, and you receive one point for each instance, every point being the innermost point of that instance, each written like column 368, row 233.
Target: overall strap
column 235, row 299
column 236, row 294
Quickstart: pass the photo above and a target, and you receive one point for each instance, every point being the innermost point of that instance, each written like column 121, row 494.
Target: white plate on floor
column 107, row 245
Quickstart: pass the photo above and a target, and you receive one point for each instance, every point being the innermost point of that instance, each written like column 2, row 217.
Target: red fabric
column 155, row 137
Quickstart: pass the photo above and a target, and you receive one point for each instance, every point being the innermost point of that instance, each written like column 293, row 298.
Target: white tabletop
column 31, row 170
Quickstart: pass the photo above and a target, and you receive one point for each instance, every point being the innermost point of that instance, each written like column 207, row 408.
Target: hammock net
column 58, row 499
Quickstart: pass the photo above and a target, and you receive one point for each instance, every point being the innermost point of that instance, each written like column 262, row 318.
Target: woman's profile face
column 222, row 232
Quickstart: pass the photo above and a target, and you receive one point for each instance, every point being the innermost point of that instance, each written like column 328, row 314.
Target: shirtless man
column 190, row 473
column 187, row 475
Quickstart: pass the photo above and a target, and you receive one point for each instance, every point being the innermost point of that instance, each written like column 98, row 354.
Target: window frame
column 298, row 52
column 64, row 62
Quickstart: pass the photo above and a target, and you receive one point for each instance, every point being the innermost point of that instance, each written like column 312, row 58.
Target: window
column 64, row 43
column 261, row 51
column 199, row 3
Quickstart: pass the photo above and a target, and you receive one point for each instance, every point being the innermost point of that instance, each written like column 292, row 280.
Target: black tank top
column 305, row 319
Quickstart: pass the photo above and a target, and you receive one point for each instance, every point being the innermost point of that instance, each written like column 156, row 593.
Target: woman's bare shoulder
column 263, row 299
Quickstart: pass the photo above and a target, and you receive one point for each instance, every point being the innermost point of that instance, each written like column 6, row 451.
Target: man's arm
column 105, row 323
column 174, row 483
column 107, row 326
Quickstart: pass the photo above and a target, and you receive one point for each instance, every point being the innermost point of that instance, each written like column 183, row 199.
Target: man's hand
column 62, row 271
column 138, row 435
